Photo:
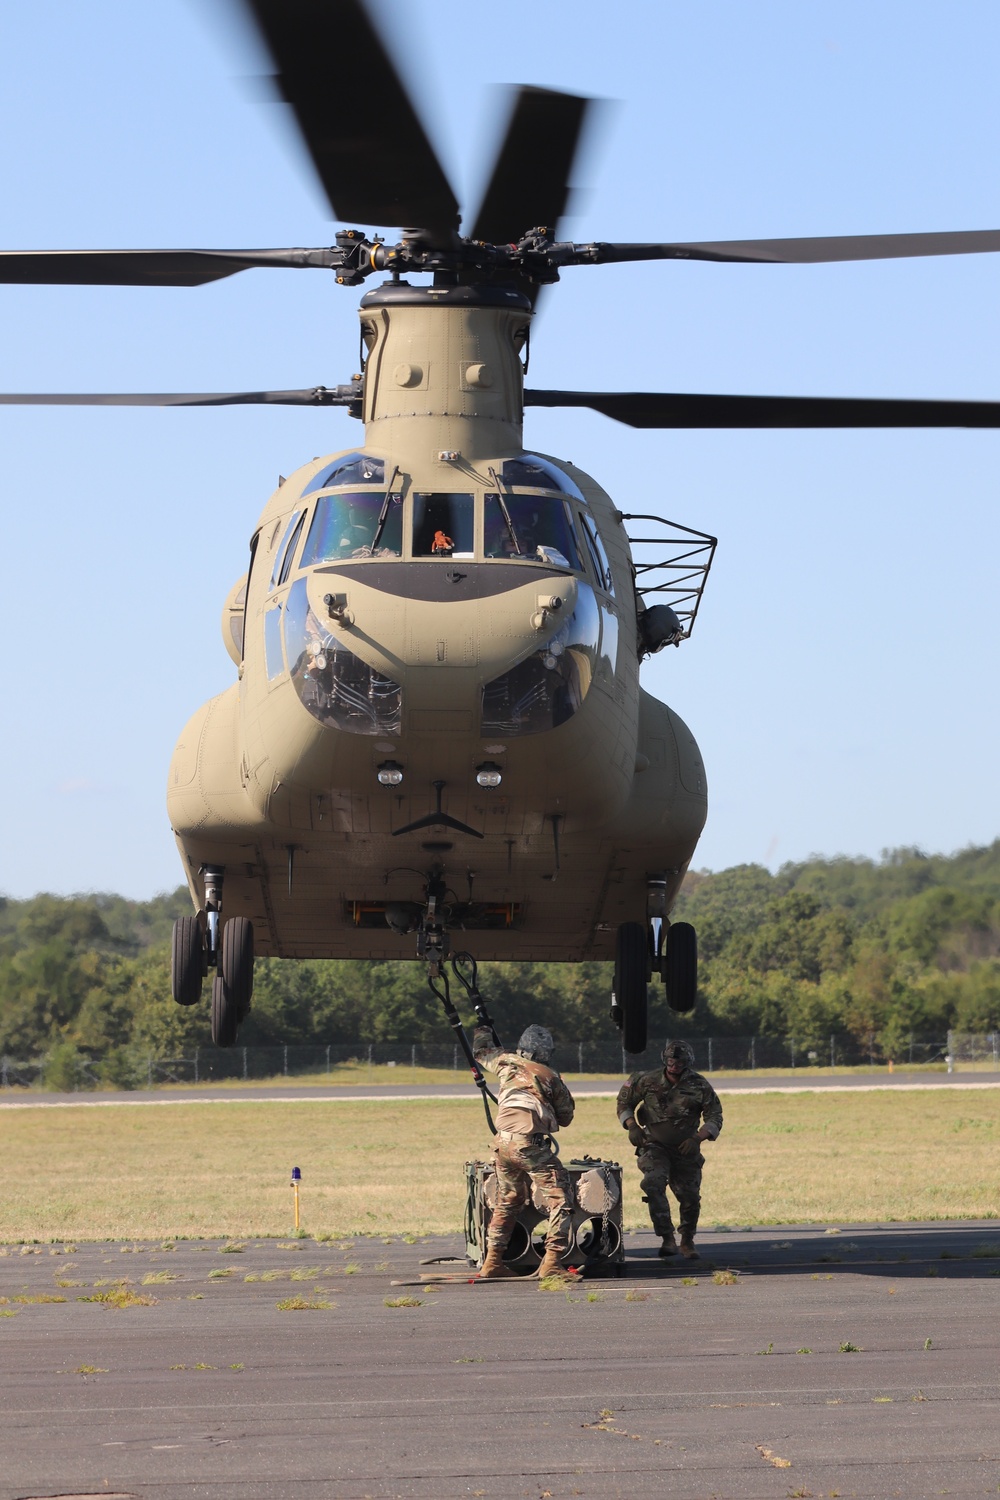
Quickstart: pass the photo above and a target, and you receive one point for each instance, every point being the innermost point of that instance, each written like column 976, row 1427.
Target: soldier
column 671, row 1102
column 533, row 1103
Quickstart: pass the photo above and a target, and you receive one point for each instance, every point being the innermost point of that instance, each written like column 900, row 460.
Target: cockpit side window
column 279, row 556
column 530, row 528
column 290, row 550
column 365, row 524
column 598, row 555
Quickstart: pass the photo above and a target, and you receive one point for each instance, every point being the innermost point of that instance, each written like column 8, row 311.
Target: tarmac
column 595, row 1088
column 853, row 1361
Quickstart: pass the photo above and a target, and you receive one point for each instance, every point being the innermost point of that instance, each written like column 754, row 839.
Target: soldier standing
column 533, row 1103
column 677, row 1109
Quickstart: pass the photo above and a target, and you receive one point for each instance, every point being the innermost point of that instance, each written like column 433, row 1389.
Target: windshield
column 356, row 525
column 536, row 528
column 443, row 525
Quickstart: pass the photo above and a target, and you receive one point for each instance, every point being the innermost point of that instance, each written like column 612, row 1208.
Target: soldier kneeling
column 533, row 1103
column 662, row 1111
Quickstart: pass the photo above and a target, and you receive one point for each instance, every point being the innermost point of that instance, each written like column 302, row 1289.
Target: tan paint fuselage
column 586, row 812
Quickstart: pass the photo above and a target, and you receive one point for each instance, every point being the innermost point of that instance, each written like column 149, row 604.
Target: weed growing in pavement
column 290, row 1244
column 220, row 1273
column 120, row 1298
column 725, row 1278
column 234, row 1247
column 803, row 1351
column 158, row 1278
column 39, row 1297
column 989, row 1250
column 302, row 1304
column 66, row 1281
column 848, row 1348
column 402, row 1302
column 90, row 1370
column 352, row 1268
column 636, row 1296
column 928, row 1344
column 304, row 1273
column 689, row 1281
column 768, row 1350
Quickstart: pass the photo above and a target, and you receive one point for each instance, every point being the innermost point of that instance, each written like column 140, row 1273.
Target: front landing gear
column 630, row 998
column 202, row 943
column 232, row 986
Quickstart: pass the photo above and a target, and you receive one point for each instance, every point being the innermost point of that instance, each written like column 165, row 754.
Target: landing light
column 489, row 774
column 390, row 773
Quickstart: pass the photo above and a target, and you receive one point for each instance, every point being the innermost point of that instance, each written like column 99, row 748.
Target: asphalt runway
column 606, row 1088
column 857, row 1363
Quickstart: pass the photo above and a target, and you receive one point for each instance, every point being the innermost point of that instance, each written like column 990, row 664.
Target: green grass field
column 388, row 1168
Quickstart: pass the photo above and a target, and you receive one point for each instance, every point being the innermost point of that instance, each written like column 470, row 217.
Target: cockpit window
column 355, row 525
column 443, row 525
column 293, row 542
column 598, row 556
column 279, row 556
column 530, row 471
column 530, row 528
column 353, row 468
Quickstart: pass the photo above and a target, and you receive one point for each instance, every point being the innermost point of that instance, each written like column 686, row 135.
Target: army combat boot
column 551, row 1265
column 669, row 1245
column 493, row 1267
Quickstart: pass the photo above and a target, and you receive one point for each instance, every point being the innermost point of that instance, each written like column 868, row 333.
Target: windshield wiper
column 383, row 513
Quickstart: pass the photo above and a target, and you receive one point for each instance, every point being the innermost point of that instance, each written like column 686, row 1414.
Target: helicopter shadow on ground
column 968, row 1251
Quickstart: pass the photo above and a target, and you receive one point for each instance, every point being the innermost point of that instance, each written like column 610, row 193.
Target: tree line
column 874, row 950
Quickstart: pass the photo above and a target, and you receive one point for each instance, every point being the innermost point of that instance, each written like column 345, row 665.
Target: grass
column 221, row 1169
column 303, row 1304
column 121, row 1298
column 403, row 1302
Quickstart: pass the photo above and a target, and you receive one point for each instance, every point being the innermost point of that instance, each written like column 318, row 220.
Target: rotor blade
column 805, row 251
column 360, row 127
column 531, row 176
column 146, row 267
column 656, row 409
column 319, row 395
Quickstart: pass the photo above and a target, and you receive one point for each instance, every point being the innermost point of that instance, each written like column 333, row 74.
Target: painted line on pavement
column 263, row 1098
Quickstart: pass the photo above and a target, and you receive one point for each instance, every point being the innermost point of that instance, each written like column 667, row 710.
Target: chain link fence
column 384, row 1062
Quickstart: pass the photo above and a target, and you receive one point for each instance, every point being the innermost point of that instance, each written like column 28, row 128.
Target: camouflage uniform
column 531, row 1094
column 671, row 1113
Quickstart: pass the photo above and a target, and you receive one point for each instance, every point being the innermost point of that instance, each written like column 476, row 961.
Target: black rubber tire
column 187, row 961
column 236, row 962
column 225, row 1016
column 680, row 967
column 632, row 984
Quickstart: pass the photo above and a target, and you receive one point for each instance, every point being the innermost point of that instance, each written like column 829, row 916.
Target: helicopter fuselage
column 437, row 644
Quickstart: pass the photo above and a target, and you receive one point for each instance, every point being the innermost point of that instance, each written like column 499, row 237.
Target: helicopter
column 437, row 725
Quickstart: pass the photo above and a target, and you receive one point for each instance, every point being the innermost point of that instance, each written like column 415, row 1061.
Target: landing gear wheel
column 187, row 961
column 225, row 1016
column 631, row 981
column 236, row 965
column 680, row 967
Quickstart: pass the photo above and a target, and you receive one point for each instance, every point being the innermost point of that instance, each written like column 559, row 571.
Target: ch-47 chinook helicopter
column 438, row 726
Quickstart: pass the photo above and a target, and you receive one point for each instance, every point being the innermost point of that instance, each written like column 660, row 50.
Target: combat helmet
column 680, row 1052
column 536, row 1043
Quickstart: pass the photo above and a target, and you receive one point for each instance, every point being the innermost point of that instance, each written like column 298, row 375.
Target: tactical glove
column 637, row 1135
column 691, row 1144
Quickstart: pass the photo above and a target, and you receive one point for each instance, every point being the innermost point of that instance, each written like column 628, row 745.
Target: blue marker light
column 296, row 1175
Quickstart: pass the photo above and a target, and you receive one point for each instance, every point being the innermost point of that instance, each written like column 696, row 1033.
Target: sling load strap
column 443, row 993
column 459, row 963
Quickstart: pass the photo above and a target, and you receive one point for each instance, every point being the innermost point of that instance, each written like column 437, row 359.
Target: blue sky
column 842, row 676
